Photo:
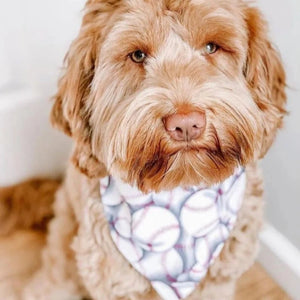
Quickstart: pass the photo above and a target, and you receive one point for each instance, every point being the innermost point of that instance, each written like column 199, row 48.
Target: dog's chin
column 185, row 166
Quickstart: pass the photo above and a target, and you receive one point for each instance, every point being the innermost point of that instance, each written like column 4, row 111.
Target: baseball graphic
column 228, row 184
column 186, row 248
column 155, row 228
column 171, row 200
column 184, row 277
column 217, row 237
column 132, row 195
column 162, row 266
column 122, row 221
column 111, row 195
column 235, row 195
column 202, row 251
column 128, row 248
column 184, row 289
column 164, row 290
column 199, row 214
column 197, row 272
column 172, row 237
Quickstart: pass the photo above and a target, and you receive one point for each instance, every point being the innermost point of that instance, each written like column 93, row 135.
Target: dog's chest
column 172, row 237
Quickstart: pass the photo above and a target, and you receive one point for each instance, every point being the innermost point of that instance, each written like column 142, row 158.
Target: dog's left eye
column 211, row 48
column 138, row 56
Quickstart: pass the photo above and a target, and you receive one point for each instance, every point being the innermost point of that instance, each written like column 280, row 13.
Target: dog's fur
column 113, row 109
column 27, row 205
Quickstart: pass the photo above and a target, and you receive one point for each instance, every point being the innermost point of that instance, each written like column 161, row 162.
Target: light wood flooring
column 256, row 284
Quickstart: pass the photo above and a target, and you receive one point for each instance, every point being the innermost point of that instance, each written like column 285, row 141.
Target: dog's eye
column 211, row 48
column 138, row 56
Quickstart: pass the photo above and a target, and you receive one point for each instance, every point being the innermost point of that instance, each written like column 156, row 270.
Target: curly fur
column 27, row 205
column 113, row 109
column 110, row 117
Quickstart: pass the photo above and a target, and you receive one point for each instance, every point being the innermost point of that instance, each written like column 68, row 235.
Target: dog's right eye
column 211, row 48
column 138, row 56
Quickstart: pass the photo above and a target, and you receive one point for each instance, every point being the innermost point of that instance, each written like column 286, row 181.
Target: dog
column 159, row 94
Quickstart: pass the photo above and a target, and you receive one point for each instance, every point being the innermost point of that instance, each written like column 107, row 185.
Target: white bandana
column 172, row 237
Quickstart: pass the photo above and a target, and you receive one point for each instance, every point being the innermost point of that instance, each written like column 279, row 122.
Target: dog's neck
column 172, row 237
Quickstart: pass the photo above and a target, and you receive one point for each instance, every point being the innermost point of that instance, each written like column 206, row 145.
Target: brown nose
column 185, row 127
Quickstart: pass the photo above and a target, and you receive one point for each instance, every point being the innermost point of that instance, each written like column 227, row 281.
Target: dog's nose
column 185, row 127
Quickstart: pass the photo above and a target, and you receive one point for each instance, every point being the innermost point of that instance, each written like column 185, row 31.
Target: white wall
column 282, row 165
column 34, row 36
column 28, row 145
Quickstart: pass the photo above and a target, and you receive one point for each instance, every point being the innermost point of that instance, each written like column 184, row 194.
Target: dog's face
column 165, row 92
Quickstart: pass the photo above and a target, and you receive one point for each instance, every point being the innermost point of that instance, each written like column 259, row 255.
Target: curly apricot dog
column 162, row 95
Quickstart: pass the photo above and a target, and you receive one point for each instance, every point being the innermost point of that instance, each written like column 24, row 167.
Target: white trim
column 281, row 259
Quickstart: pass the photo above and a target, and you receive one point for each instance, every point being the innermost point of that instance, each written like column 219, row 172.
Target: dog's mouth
column 184, row 165
column 187, row 148
column 161, row 164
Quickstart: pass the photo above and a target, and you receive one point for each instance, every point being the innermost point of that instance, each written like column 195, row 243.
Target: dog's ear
column 265, row 75
column 74, row 85
column 70, row 112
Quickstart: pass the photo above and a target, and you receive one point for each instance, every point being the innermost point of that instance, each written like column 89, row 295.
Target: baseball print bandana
column 172, row 237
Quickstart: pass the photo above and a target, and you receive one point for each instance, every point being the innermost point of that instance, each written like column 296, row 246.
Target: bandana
column 172, row 237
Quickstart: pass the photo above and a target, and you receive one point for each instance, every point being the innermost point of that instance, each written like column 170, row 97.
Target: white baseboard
column 281, row 260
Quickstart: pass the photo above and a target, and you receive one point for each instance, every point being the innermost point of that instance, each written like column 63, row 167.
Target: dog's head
column 170, row 92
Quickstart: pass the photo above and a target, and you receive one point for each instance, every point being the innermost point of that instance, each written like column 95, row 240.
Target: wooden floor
column 256, row 284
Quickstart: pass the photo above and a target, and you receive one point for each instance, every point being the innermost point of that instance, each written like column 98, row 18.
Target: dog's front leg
column 106, row 274
column 57, row 279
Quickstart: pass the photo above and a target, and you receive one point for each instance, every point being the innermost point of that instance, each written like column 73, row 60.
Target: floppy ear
column 70, row 112
column 265, row 75
column 74, row 85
